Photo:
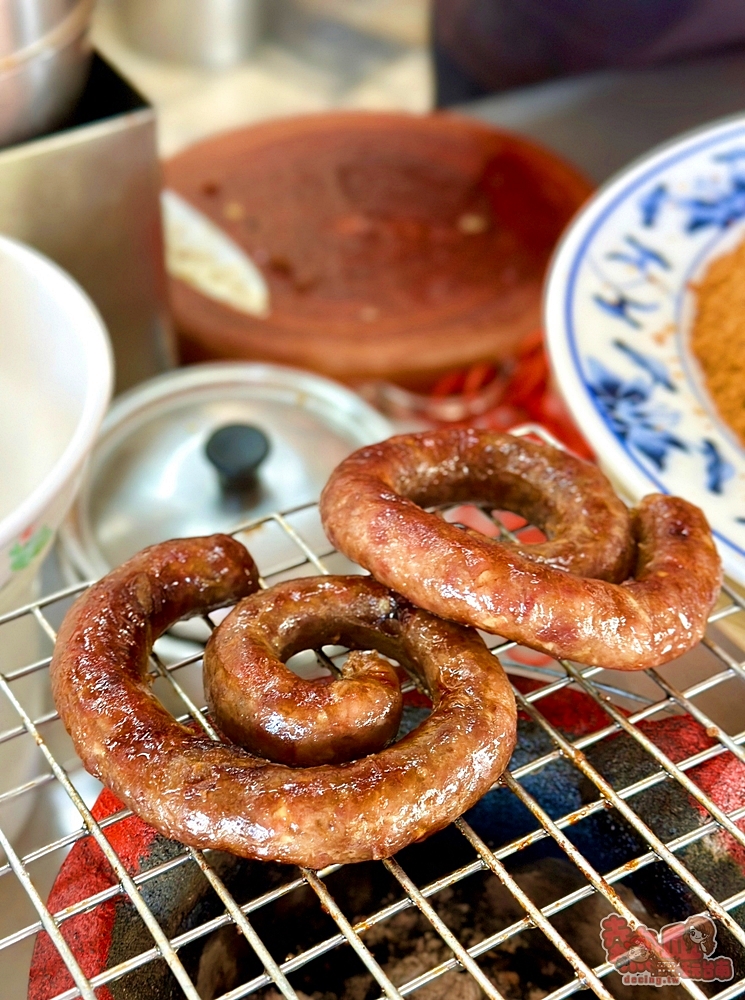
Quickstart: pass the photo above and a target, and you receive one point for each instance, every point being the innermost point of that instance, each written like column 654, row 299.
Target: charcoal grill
column 622, row 707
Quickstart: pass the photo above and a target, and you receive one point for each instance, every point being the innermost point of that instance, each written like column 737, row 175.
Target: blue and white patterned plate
column 619, row 308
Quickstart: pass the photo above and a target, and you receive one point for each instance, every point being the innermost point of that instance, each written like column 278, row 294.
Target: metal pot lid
column 205, row 448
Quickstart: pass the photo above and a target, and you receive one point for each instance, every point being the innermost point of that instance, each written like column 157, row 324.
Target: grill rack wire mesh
column 292, row 544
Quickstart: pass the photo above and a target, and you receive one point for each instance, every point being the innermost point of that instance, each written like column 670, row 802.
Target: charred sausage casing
column 215, row 795
column 613, row 588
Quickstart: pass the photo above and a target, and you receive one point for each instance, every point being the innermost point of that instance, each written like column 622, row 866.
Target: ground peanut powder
column 718, row 337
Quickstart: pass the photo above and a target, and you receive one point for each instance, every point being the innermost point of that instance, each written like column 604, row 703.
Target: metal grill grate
column 59, row 795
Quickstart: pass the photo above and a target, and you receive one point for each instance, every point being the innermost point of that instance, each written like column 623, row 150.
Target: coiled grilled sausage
column 266, row 708
column 210, row 794
column 564, row 597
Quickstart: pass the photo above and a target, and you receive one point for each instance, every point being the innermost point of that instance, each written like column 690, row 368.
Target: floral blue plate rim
column 618, row 310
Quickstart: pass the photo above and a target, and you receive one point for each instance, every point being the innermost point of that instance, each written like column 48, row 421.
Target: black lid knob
column 236, row 451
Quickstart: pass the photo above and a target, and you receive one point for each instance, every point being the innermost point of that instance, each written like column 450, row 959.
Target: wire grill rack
column 292, row 544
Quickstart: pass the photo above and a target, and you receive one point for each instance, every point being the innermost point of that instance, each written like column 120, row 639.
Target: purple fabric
column 505, row 43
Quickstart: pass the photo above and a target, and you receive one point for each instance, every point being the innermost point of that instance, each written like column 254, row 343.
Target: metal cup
column 44, row 61
column 215, row 34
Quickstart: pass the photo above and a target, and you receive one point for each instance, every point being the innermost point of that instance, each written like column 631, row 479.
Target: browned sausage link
column 381, row 490
column 266, row 708
column 499, row 588
column 100, row 662
column 210, row 794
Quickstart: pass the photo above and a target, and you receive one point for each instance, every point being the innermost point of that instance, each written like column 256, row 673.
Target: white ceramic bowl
column 619, row 310
column 55, row 385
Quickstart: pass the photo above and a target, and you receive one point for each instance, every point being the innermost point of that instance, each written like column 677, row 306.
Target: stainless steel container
column 88, row 197
column 215, row 34
column 44, row 61
column 204, row 449
column 160, row 470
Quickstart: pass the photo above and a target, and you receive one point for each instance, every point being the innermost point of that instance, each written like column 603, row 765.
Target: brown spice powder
column 718, row 337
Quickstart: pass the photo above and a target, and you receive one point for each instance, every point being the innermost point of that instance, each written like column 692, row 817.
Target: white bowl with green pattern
column 55, row 386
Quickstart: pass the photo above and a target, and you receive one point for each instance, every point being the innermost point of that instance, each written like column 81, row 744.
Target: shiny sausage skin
column 381, row 489
column 559, row 597
column 213, row 795
column 266, row 708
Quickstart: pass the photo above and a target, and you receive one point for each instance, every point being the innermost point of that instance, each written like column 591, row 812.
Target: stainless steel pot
column 44, row 60
column 215, row 34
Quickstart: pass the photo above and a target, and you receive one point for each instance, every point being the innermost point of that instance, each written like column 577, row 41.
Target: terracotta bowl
column 394, row 246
